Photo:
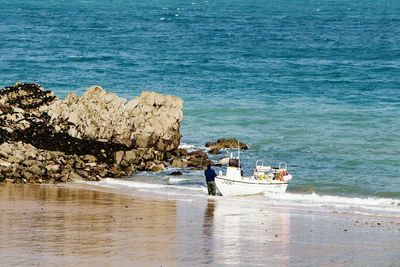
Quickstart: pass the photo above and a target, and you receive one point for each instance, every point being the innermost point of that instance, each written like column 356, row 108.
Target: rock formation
column 45, row 139
column 20, row 162
column 226, row 143
column 151, row 120
column 196, row 159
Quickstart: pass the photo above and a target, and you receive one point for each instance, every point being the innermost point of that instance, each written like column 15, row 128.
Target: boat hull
column 234, row 187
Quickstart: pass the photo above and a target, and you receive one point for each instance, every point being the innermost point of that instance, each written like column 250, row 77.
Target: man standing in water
column 210, row 175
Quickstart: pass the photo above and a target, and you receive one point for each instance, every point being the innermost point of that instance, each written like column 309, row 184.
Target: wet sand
column 70, row 225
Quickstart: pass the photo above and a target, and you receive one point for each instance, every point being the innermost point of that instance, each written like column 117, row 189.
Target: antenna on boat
column 238, row 154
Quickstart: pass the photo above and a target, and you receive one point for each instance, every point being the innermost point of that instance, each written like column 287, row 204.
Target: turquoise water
column 312, row 83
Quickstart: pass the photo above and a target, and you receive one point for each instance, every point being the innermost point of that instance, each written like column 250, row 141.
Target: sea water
column 313, row 83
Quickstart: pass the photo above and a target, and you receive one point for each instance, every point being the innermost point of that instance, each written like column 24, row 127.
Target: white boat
column 264, row 179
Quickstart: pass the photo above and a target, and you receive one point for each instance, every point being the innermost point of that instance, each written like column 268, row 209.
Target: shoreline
column 75, row 224
column 176, row 189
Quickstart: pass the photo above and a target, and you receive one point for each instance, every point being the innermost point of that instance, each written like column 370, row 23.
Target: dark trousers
column 212, row 188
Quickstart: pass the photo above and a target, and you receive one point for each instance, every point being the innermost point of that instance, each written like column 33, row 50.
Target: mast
column 239, row 154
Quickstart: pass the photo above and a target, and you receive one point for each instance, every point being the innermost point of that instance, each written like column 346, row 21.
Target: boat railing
column 260, row 165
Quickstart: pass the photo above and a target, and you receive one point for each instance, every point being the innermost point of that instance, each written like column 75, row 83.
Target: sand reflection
column 70, row 226
column 208, row 232
column 249, row 233
column 61, row 225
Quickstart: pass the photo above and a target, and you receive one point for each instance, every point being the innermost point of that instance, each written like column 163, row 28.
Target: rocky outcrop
column 99, row 134
column 226, row 143
column 21, row 107
column 21, row 162
column 196, row 159
column 150, row 120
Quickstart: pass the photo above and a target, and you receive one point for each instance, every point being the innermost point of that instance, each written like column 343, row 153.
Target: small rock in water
column 214, row 151
column 227, row 143
column 175, row 173
column 183, row 159
column 197, row 159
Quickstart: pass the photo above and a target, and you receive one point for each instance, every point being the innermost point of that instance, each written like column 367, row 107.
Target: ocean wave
column 341, row 203
column 142, row 185
column 191, row 147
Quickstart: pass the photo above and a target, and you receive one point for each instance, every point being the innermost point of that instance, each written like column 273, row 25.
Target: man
column 210, row 175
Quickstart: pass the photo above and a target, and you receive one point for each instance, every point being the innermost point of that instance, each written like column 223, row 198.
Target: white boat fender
column 287, row 177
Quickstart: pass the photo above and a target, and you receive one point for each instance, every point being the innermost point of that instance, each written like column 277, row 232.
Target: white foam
column 177, row 180
column 337, row 202
column 192, row 147
column 140, row 185
column 131, row 184
column 371, row 205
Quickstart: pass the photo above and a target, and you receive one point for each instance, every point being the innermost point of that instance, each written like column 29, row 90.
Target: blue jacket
column 210, row 174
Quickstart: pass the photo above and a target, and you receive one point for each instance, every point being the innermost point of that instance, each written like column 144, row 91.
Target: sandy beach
column 111, row 111
column 70, row 225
